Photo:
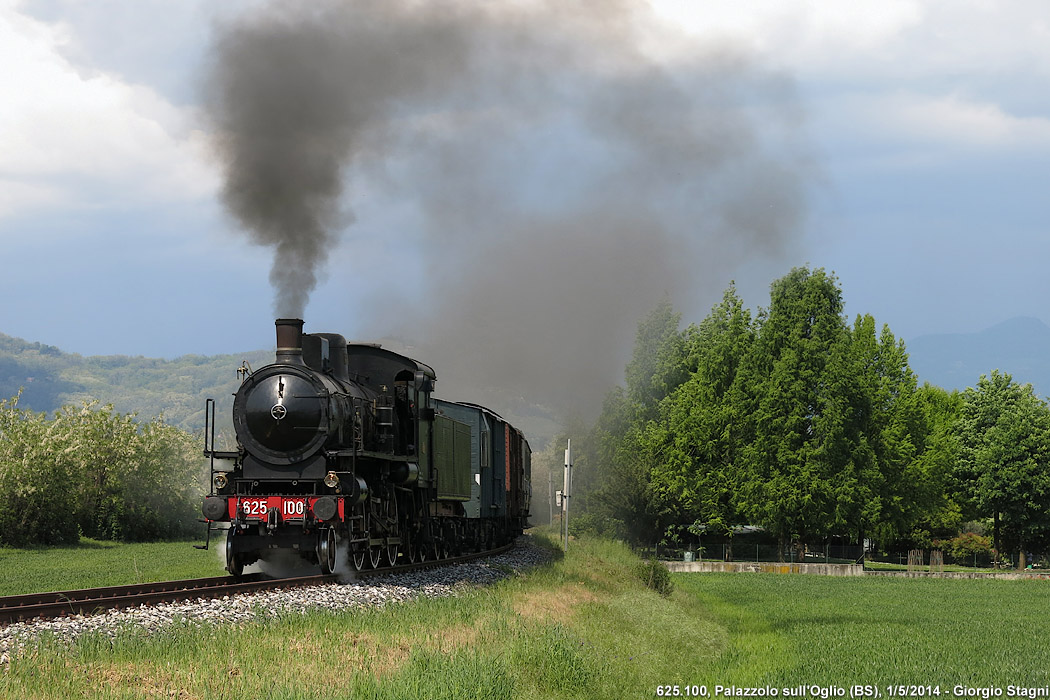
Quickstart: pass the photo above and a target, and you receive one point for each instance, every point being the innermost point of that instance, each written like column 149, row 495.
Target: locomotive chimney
column 289, row 341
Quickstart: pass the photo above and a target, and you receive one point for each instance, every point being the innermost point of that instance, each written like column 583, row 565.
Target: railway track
column 91, row 600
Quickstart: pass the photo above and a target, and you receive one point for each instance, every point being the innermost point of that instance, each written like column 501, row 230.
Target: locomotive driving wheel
column 234, row 560
column 408, row 540
column 425, row 546
column 327, row 550
column 375, row 555
column 359, row 558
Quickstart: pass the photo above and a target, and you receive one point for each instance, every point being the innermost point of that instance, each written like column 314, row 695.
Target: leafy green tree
column 887, row 419
column 1004, row 454
column 617, row 500
column 152, row 489
column 657, row 364
column 695, row 446
column 931, row 508
column 794, row 421
column 804, row 476
column 614, row 465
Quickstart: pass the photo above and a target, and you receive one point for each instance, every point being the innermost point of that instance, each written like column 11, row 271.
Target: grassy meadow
column 93, row 563
column 586, row 626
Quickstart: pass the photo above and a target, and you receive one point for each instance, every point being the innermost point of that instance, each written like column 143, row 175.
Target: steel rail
column 91, row 600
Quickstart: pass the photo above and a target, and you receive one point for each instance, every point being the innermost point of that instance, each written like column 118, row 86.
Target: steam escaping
column 562, row 172
column 288, row 563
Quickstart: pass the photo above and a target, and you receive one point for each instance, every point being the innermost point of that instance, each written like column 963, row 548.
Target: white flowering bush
column 88, row 470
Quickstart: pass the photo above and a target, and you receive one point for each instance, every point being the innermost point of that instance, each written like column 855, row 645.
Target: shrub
column 595, row 525
column 656, row 576
column 967, row 546
column 38, row 489
column 92, row 471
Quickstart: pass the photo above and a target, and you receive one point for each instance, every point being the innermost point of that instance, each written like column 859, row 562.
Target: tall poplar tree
column 657, row 365
column 794, row 389
column 622, row 500
column 696, row 443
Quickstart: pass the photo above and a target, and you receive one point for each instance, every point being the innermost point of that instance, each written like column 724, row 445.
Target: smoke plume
column 566, row 163
column 293, row 94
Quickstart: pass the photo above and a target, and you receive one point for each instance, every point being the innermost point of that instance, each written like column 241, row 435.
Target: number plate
column 287, row 508
column 293, row 509
column 255, row 507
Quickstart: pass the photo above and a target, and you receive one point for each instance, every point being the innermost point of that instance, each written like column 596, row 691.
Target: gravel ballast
column 245, row 607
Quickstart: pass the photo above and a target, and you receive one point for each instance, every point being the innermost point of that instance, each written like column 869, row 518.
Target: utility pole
column 566, row 492
column 550, row 494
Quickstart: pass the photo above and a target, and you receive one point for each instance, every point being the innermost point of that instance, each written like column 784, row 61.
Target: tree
column 931, row 509
column 613, row 459
column 890, row 431
column 91, row 471
column 794, row 421
column 794, row 388
column 1004, row 452
column 38, row 488
column 695, row 446
column 657, row 364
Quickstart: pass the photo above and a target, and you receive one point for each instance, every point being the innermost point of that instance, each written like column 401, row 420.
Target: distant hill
column 50, row 378
column 176, row 389
column 1019, row 346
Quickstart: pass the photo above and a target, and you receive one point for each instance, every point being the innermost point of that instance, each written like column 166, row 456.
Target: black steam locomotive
column 342, row 451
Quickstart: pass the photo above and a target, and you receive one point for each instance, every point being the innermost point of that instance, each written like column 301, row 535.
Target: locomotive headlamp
column 331, row 480
column 220, row 481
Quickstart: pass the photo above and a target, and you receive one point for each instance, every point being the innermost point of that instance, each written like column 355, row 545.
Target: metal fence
column 981, row 560
column 801, row 554
column 920, row 560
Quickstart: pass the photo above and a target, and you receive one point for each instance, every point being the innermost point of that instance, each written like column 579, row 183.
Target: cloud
column 81, row 137
column 952, row 125
column 870, row 40
column 961, row 122
column 811, row 33
column 897, row 84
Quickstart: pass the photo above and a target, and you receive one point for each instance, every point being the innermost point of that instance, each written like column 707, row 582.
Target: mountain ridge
column 49, row 378
column 1019, row 346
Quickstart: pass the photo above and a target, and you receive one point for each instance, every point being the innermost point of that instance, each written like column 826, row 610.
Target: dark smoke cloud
column 565, row 179
column 296, row 95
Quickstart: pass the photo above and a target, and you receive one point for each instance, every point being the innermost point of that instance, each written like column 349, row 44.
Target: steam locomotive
column 345, row 456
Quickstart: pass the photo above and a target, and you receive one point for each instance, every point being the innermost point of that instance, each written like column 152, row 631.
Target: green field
column 585, row 626
column 791, row 629
column 94, row 563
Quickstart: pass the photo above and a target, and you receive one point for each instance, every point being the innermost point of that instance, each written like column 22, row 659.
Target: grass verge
column 585, row 626
column 93, row 563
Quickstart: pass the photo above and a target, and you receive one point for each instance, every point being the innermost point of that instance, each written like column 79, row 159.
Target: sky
column 906, row 144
